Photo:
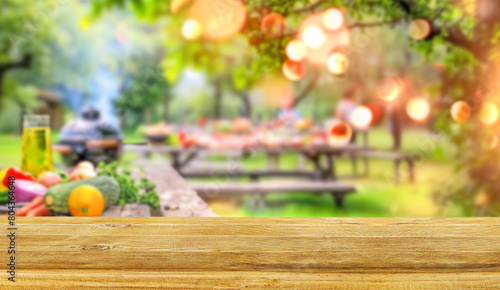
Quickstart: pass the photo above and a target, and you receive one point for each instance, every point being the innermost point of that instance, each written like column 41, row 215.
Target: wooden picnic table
column 182, row 157
column 323, row 174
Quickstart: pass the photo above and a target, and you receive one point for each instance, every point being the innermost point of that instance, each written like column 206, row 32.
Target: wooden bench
column 252, row 174
column 228, row 189
column 398, row 158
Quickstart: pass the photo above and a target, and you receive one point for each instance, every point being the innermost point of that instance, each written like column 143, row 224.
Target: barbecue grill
column 89, row 138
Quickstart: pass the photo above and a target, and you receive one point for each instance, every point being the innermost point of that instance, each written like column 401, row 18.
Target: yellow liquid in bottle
column 37, row 151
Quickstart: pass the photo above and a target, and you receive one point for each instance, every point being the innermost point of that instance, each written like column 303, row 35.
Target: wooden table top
column 361, row 253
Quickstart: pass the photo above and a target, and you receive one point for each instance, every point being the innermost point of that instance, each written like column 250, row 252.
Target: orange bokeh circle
column 294, row 70
column 332, row 39
column 273, row 25
column 220, row 19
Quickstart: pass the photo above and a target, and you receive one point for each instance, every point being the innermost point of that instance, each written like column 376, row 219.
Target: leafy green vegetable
column 130, row 192
column 150, row 198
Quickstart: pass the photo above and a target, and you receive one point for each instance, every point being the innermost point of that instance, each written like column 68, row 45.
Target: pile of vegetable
column 85, row 192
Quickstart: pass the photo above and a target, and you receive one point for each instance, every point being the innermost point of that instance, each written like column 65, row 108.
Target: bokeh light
column 339, row 134
column 389, row 89
column 177, row 5
column 460, row 111
column 294, row 70
column 338, row 63
column 488, row 114
column 333, row 19
column 273, row 25
column 313, row 36
column 361, row 117
column 296, row 50
column 221, row 20
column 420, row 29
column 332, row 39
column 418, row 109
column 192, row 29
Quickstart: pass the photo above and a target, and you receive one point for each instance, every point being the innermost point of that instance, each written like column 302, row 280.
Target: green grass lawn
column 377, row 195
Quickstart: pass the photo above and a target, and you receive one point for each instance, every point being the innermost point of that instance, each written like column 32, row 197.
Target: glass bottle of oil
column 37, row 145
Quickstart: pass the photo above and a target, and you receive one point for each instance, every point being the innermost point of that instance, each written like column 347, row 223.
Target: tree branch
column 243, row 96
column 25, row 62
column 455, row 36
column 458, row 38
column 373, row 24
column 307, row 89
column 309, row 8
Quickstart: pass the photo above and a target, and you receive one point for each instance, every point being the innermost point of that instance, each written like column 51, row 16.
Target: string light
column 339, row 134
column 389, row 90
column 313, row 36
column 420, row 29
column 192, row 29
column 418, row 109
column 338, row 63
column 333, row 19
column 293, row 70
column 460, row 111
column 361, row 117
column 488, row 114
column 296, row 50
column 273, row 25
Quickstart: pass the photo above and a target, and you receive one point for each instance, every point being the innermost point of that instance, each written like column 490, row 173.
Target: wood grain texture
column 174, row 192
column 65, row 252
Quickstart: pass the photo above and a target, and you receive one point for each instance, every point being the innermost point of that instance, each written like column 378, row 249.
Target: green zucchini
column 56, row 197
column 4, row 196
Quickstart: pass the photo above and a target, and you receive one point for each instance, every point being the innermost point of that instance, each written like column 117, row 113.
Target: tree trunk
column 247, row 104
column 165, row 107
column 122, row 119
column 1, row 89
column 25, row 62
column 147, row 115
column 396, row 115
column 218, row 99
column 309, row 87
column 244, row 96
column 21, row 119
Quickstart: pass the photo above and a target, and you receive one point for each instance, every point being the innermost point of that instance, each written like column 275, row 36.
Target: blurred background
column 421, row 77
